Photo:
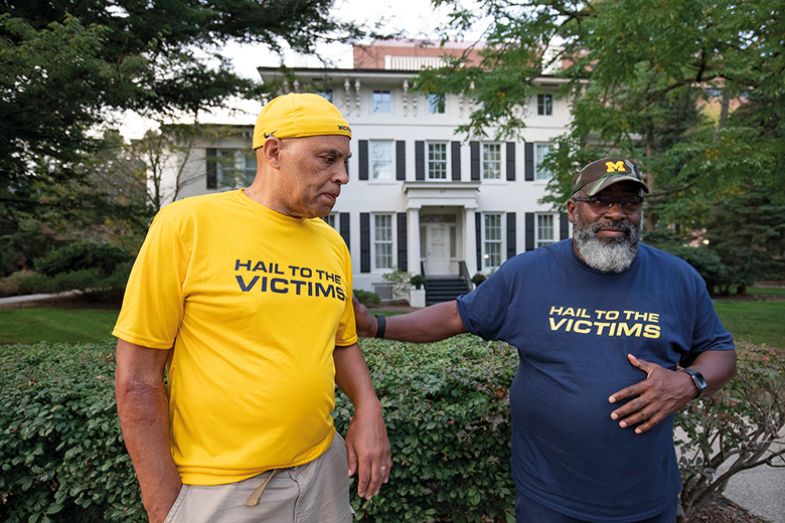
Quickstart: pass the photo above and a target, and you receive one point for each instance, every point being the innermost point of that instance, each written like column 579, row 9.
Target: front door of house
column 437, row 245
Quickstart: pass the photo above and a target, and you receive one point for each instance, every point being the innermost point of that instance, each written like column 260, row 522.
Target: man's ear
column 271, row 151
column 571, row 211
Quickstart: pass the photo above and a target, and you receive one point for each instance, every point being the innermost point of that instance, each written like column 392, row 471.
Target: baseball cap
column 298, row 115
column 602, row 173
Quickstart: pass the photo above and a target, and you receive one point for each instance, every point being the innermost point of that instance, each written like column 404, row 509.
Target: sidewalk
column 14, row 301
column 761, row 490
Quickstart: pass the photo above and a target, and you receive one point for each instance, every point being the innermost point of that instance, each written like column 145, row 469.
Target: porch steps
column 444, row 288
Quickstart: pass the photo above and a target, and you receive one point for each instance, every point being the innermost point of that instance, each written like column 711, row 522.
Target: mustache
column 616, row 225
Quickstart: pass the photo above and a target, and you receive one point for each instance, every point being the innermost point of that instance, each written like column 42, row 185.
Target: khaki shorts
column 317, row 492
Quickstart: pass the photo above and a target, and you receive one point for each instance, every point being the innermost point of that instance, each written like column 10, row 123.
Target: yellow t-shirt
column 253, row 302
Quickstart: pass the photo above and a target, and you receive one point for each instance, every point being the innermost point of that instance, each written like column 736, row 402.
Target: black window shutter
column 455, row 148
column 528, row 162
column 478, row 239
column 510, row 161
column 529, row 231
column 362, row 152
column 419, row 160
column 365, row 242
column 403, row 263
column 212, row 172
column 511, row 245
column 400, row 160
column 344, row 228
column 564, row 226
column 474, row 147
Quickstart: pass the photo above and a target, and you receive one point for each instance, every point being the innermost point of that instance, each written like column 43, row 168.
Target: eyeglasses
column 602, row 203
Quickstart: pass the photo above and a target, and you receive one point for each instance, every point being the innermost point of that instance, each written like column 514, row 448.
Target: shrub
column 478, row 278
column 61, row 452
column 400, row 284
column 82, row 255
column 417, row 280
column 735, row 428
column 95, row 285
column 367, row 298
column 23, row 282
column 719, row 279
column 446, row 408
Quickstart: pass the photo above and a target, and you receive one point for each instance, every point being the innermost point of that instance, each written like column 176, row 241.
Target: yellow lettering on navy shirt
column 600, row 322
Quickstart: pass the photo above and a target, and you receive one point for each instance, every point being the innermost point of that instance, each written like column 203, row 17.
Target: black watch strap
column 381, row 325
column 698, row 380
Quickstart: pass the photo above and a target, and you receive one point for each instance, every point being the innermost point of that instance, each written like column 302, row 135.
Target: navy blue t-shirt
column 573, row 327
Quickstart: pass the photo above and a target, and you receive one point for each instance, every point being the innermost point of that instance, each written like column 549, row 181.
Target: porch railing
column 463, row 271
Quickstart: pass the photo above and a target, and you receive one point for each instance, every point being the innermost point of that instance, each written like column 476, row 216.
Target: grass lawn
column 69, row 325
column 754, row 321
column 767, row 291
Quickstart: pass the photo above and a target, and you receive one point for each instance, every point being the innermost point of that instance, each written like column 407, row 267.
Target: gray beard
column 606, row 256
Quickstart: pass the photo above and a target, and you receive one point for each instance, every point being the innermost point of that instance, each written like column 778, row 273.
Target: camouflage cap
column 602, row 173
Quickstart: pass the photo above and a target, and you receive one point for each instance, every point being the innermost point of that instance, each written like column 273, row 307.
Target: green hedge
column 61, row 451
column 446, row 409
column 447, row 415
column 63, row 456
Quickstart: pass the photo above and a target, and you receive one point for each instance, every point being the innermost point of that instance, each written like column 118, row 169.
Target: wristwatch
column 698, row 380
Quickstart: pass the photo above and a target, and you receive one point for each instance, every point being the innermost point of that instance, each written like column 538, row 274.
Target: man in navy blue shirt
column 614, row 337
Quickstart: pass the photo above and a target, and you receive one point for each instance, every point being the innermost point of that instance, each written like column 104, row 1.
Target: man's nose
column 615, row 211
column 342, row 175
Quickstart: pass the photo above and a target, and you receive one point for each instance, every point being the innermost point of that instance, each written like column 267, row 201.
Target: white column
column 357, row 97
column 469, row 241
column 413, row 240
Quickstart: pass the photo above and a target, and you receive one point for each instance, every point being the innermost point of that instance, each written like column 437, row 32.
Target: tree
column 636, row 74
column 66, row 62
column 748, row 233
column 65, row 65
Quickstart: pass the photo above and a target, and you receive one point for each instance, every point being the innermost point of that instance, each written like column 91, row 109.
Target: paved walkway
column 15, row 301
column 761, row 491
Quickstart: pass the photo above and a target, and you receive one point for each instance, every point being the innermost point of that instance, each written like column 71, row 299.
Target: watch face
column 698, row 380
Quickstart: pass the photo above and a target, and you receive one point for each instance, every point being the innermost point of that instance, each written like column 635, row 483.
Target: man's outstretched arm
column 433, row 323
column 143, row 408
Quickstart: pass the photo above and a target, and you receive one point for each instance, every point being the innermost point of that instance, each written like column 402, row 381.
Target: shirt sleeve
column 708, row 332
column 484, row 310
column 347, row 329
column 154, row 300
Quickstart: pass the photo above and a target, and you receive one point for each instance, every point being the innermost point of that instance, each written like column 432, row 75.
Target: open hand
column 662, row 393
column 368, row 452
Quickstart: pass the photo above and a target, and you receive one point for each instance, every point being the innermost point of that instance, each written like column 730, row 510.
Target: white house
column 420, row 197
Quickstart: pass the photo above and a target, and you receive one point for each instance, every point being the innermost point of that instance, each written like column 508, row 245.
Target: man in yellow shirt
column 236, row 325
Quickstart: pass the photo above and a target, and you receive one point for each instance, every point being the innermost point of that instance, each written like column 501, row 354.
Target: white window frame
column 486, row 172
column 332, row 220
column 378, row 106
column 431, row 173
column 541, row 174
column 544, row 104
column 377, row 242
column 488, row 240
column 541, row 239
column 376, row 165
column 232, row 169
column 437, row 103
